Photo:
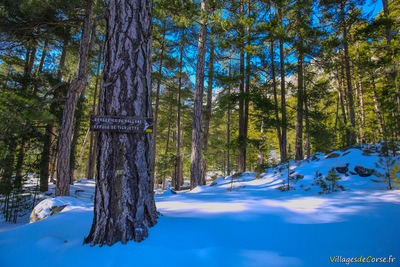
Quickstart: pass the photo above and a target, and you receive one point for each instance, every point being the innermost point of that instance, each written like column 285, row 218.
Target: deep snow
column 254, row 224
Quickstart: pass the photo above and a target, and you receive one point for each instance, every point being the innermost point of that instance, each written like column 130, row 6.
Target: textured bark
column 196, row 157
column 124, row 200
column 74, row 92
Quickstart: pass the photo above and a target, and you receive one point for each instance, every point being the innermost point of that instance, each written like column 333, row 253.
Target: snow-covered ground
column 245, row 223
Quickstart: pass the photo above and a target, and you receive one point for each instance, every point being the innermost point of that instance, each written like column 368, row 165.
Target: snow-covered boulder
column 51, row 206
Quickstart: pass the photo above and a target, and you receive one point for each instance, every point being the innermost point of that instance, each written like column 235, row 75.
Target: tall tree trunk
column 20, row 163
column 157, row 104
column 260, row 157
column 171, row 104
column 307, row 125
column 247, row 95
column 377, row 108
column 74, row 92
column 349, row 86
column 208, row 109
column 47, row 137
column 124, row 201
column 75, row 136
column 90, row 171
column 45, row 159
column 228, row 129
column 343, row 106
column 275, row 92
column 241, row 137
column 53, row 110
column 178, row 173
column 300, row 105
column 283, row 101
column 360, row 93
column 28, row 72
column 196, row 157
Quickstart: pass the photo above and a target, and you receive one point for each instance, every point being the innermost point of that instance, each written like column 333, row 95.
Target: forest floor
column 246, row 221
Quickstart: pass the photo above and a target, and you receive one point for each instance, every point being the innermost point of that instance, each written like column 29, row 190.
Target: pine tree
column 74, row 92
column 196, row 156
column 124, row 200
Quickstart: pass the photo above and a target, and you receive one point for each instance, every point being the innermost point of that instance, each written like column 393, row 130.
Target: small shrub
column 333, row 178
column 329, row 183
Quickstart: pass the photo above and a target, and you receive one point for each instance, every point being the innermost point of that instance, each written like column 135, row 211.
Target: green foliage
column 333, row 179
column 391, row 169
column 329, row 183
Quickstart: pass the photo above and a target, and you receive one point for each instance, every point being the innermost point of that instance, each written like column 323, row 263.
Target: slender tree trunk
column 28, row 72
column 39, row 70
column 275, row 92
column 90, row 171
column 300, row 105
column 307, row 125
column 45, row 159
column 377, row 108
column 53, row 110
column 342, row 100
column 75, row 136
column 157, row 104
column 260, row 157
column 196, row 157
column 20, row 163
column 228, row 129
column 74, row 92
column 179, row 131
column 169, row 123
column 247, row 96
column 350, row 98
column 47, row 138
column 241, row 137
column 124, row 201
column 283, row 101
column 208, row 109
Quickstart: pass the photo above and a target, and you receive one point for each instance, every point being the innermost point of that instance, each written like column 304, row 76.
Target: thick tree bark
column 124, row 200
column 196, row 157
column 74, row 92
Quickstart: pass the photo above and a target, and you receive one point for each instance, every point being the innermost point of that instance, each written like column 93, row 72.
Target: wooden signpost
column 121, row 124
